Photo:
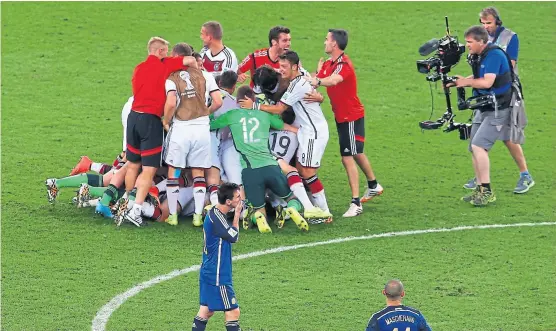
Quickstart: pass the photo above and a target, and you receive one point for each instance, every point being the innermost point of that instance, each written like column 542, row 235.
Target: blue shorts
column 217, row 298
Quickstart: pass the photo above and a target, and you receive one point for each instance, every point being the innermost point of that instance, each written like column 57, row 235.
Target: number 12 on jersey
column 248, row 134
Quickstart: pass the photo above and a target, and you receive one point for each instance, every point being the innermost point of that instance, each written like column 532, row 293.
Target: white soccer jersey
column 216, row 64
column 210, row 86
column 308, row 115
column 125, row 113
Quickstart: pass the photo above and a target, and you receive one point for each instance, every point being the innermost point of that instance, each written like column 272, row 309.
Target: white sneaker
column 370, row 193
column 353, row 210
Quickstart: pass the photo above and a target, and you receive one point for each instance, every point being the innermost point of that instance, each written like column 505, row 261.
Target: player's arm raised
column 223, row 229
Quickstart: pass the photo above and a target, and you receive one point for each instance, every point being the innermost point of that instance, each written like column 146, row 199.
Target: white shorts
column 215, row 149
column 188, row 145
column 283, row 144
column 231, row 165
column 311, row 150
column 186, row 201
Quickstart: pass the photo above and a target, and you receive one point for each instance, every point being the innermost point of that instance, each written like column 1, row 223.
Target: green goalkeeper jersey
column 250, row 132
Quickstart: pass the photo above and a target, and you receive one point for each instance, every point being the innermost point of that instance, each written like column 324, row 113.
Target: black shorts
column 351, row 136
column 256, row 181
column 144, row 139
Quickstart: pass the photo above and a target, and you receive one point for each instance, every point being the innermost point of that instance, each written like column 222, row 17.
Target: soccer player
column 216, row 57
column 509, row 42
column 216, row 291
column 250, row 131
column 188, row 140
column 279, row 40
column 397, row 317
column 313, row 128
column 338, row 76
column 144, row 127
column 53, row 185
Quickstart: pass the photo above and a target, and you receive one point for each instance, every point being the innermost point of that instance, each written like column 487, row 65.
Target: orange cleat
column 82, row 166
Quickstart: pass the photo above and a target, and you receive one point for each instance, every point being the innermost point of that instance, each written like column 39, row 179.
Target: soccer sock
column 232, row 326
column 72, row 181
column 199, row 191
column 96, row 192
column 524, row 173
column 137, row 209
column 372, row 184
column 356, row 201
column 317, row 191
column 199, row 324
column 149, row 210
column 109, row 195
column 100, row 168
column 486, row 186
column 295, row 204
column 94, row 180
column 131, row 198
column 172, row 193
column 296, row 185
column 213, row 194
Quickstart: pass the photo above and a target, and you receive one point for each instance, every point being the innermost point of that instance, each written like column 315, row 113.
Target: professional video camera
column 448, row 54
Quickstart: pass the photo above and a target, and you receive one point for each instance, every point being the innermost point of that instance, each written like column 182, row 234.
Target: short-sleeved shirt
column 216, row 64
column 343, row 97
column 308, row 115
column 217, row 249
column 148, row 83
column 496, row 63
column 402, row 318
column 513, row 46
column 250, row 133
column 255, row 60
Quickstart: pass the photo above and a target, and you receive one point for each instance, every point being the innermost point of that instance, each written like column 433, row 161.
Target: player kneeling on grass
column 216, row 291
column 250, row 132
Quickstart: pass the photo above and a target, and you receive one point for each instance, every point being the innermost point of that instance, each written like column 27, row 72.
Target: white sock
column 214, row 198
column 320, row 200
column 299, row 191
column 199, row 196
column 96, row 166
column 137, row 209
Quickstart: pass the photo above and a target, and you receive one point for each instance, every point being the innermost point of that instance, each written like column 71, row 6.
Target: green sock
column 96, row 192
column 295, row 204
column 72, row 181
column 109, row 195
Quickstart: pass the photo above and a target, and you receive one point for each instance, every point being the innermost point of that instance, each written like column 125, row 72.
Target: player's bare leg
column 200, row 321
column 374, row 188
column 232, row 319
column 143, row 184
column 350, row 165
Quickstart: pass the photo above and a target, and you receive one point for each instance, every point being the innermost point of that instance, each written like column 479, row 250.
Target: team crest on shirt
column 217, row 66
column 233, row 301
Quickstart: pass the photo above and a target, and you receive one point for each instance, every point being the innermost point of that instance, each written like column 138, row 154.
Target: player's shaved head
column 182, row 49
column 156, row 43
column 394, row 289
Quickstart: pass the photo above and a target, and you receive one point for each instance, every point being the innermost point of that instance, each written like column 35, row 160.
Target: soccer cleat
column 483, row 198
column 104, row 211
column 247, row 212
column 471, row 184
column 197, row 220
column 120, row 209
column 82, row 166
column 471, row 196
column 370, row 193
column 172, row 219
column 524, row 184
column 83, row 195
column 280, row 217
column 90, row 203
column 298, row 219
column 262, row 224
column 353, row 210
column 51, row 189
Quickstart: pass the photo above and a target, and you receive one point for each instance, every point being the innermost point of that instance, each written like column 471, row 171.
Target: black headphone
column 495, row 14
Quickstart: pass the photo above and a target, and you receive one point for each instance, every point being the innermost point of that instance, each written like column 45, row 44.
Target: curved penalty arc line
column 103, row 315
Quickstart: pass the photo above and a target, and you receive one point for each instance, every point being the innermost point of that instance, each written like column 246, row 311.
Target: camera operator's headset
column 494, row 12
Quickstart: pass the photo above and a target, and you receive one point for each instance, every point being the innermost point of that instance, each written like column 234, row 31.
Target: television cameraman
column 508, row 41
column 491, row 75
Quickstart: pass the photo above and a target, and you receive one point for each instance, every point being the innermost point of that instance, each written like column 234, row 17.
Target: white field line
column 102, row 316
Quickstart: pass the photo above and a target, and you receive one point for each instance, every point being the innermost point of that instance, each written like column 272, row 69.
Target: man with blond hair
column 144, row 126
